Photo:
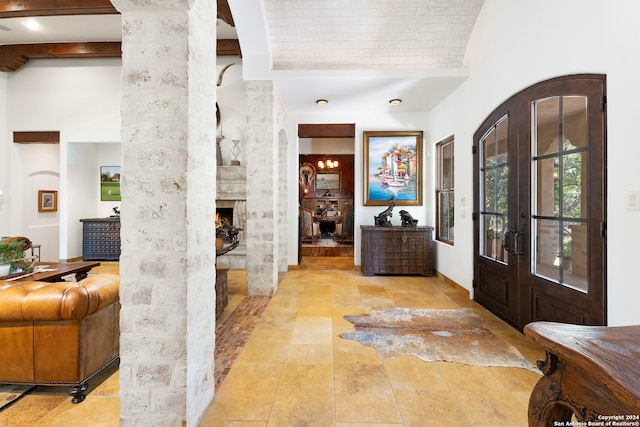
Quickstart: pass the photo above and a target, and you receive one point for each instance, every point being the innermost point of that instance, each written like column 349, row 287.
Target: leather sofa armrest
column 38, row 301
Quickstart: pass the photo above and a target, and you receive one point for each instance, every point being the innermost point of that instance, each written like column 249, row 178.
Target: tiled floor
column 296, row 371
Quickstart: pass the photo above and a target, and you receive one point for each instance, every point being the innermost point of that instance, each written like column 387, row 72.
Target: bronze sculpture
column 382, row 219
column 407, row 219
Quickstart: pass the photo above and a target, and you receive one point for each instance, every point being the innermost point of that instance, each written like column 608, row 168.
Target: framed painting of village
column 393, row 167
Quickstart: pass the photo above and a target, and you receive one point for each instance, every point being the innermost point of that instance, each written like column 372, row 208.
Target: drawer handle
column 403, row 238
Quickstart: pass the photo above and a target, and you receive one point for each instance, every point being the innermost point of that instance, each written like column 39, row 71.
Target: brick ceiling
column 369, row 34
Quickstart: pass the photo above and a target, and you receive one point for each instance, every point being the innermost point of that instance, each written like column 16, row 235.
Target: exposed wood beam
column 19, row 8
column 224, row 12
column 14, row 56
column 346, row 130
column 228, row 47
column 38, row 137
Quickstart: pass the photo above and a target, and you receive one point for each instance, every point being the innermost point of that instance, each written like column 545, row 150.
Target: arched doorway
column 539, row 203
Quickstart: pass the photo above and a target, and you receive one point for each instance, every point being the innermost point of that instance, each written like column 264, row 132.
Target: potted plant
column 11, row 254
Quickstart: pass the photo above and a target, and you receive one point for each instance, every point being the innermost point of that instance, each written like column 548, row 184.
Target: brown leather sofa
column 59, row 334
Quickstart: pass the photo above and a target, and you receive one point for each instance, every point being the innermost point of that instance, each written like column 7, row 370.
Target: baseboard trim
column 451, row 282
column 76, row 259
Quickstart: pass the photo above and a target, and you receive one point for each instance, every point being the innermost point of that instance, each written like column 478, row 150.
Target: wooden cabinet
column 397, row 250
column 101, row 239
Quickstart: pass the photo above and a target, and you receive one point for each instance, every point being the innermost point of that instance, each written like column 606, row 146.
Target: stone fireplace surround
column 231, row 184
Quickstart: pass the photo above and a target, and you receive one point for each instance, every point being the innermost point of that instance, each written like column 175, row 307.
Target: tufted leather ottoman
column 59, row 333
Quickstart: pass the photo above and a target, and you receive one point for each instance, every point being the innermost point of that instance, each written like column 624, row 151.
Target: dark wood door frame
column 518, row 303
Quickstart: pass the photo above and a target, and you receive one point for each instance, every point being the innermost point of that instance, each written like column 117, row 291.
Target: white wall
column 517, row 44
column 81, row 99
column 326, row 146
column 232, row 100
column 4, row 156
column 39, row 167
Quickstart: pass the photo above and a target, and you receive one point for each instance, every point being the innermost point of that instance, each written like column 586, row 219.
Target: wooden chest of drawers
column 396, row 250
column 101, row 239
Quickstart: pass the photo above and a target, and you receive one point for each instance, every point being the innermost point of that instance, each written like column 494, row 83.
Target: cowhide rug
column 456, row 336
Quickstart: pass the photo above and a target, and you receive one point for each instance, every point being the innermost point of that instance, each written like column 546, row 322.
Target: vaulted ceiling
column 369, row 34
column 356, row 53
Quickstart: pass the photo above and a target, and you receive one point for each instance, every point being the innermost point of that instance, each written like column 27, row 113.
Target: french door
column 539, row 204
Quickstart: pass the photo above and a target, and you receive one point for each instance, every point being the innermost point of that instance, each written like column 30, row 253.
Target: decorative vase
column 218, row 154
column 235, row 150
column 4, row 269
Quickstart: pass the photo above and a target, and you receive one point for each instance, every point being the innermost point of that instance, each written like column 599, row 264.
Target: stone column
column 283, row 144
column 262, row 190
column 168, row 208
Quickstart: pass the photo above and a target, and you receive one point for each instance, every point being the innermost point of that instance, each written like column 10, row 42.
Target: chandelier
column 327, row 164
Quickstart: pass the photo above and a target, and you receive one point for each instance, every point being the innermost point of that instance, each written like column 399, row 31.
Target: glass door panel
column 494, row 171
column 559, row 220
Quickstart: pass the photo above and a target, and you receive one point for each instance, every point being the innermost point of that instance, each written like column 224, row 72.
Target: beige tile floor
column 296, row 371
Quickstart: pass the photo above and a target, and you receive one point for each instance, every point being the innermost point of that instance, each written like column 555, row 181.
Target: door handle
column 507, row 237
column 519, row 242
column 511, row 241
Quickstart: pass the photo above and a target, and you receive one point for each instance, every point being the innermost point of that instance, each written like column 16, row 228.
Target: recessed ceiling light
column 32, row 24
column 395, row 101
column 321, row 101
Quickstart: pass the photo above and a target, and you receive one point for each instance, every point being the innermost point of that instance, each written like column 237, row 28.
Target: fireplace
column 225, row 214
column 235, row 211
column 231, row 203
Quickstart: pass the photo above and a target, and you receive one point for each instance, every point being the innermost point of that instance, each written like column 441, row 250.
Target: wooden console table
column 590, row 371
column 58, row 270
column 396, row 250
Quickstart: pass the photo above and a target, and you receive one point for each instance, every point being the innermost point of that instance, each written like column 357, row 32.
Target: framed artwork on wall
column 393, row 167
column 110, row 183
column 47, row 201
column 328, row 181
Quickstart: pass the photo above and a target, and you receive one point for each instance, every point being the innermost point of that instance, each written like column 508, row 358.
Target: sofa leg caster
column 78, row 393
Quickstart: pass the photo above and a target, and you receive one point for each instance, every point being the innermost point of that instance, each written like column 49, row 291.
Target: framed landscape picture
column 393, row 167
column 110, row 183
column 328, row 181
